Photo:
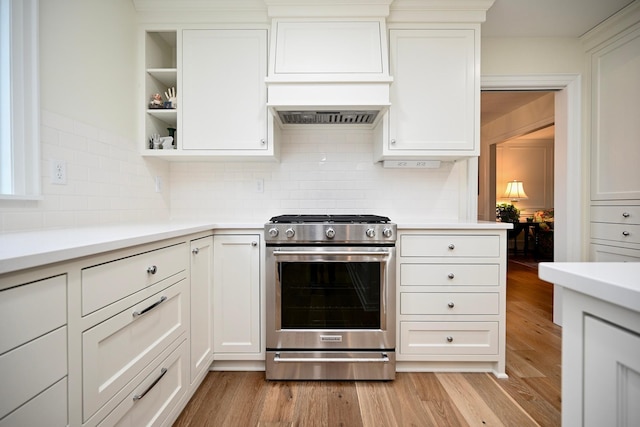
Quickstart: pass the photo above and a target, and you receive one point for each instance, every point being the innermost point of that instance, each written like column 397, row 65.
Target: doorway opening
column 568, row 163
column 518, row 128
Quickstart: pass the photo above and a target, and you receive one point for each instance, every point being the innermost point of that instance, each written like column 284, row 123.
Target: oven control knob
column 273, row 232
column 371, row 232
column 330, row 233
column 387, row 232
column 290, row 232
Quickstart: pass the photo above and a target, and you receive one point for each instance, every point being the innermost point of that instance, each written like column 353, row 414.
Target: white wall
column 529, row 161
column 328, row 171
column 88, row 52
column 88, row 75
column 526, row 56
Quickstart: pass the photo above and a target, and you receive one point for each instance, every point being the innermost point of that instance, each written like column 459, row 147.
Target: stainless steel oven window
column 323, row 263
column 330, row 295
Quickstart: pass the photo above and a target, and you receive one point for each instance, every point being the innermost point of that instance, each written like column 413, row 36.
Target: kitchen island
column 600, row 341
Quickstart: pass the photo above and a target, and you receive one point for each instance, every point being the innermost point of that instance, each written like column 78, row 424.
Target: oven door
column 330, row 298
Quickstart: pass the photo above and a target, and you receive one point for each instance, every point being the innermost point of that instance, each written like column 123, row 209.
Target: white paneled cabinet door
column 201, row 305
column 615, row 128
column 611, row 374
column 224, row 94
column 236, row 295
column 434, row 93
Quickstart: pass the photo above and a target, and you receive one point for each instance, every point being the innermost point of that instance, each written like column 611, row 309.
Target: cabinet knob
column 625, row 233
column 393, row 141
column 254, row 243
column 451, row 275
column 452, row 247
column 152, row 270
column 195, row 251
column 449, row 338
column 262, row 141
column 451, row 304
column 626, row 214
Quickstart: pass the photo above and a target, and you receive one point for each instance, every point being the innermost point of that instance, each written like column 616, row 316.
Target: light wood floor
column 529, row 397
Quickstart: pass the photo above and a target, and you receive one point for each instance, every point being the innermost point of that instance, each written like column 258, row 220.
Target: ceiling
column 547, row 18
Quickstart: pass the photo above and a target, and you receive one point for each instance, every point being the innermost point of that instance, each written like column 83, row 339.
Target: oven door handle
column 340, row 253
column 384, row 358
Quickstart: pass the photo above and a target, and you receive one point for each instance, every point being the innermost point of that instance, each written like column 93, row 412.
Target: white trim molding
column 569, row 164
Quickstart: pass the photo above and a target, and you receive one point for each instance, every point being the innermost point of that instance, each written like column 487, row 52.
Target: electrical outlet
column 158, row 184
column 259, row 185
column 58, row 172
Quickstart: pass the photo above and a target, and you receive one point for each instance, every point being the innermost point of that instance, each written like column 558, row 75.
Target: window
column 19, row 100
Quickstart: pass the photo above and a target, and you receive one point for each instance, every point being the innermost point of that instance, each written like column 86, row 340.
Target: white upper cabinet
column 615, row 128
column 223, row 91
column 435, row 94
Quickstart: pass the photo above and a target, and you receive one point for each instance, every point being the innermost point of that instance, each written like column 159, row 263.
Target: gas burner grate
column 345, row 219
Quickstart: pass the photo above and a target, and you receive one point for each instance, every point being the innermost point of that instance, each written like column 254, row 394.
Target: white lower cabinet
column 116, row 350
column 201, row 306
column 120, row 338
column 33, row 352
column 600, row 361
column 159, row 388
column 611, row 374
column 449, row 338
column 237, row 297
column 451, row 300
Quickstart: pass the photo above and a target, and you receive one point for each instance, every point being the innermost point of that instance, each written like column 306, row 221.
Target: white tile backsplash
column 107, row 180
column 320, row 171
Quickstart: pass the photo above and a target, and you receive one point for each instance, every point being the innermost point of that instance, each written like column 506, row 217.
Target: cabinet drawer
column 116, row 350
column 448, row 245
column 31, row 368
column 32, row 310
column 616, row 214
column 106, row 283
column 623, row 233
column 160, row 390
column 438, row 338
column 449, row 274
column 438, row 303
column 49, row 408
column 604, row 253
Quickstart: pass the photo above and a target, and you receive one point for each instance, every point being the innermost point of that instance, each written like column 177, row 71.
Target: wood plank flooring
column 529, row 397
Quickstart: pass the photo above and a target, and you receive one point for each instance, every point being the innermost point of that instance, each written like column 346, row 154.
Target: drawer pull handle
column 451, row 304
column 195, row 251
column 153, row 384
column 452, row 247
column 626, row 214
column 451, row 275
column 152, row 270
column 449, row 338
column 625, row 233
column 151, row 307
column 254, row 243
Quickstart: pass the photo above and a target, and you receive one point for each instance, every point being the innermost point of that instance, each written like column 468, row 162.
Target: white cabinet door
column 615, row 128
column 435, row 92
column 236, row 295
column 201, row 305
column 224, row 94
column 611, row 374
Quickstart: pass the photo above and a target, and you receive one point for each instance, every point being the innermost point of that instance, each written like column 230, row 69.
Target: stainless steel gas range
column 330, row 297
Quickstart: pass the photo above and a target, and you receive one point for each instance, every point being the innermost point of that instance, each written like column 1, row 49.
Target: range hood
column 328, row 71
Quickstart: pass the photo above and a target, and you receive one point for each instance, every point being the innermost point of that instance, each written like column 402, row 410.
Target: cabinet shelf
column 167, row 115
column 166, row 76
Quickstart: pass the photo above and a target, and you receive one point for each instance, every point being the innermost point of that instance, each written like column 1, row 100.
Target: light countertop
column 615, row 282
column 22, row 250
column 454, row 225
column 35, row 248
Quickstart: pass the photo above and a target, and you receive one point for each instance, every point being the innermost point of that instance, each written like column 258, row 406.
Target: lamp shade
column 515, row 191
